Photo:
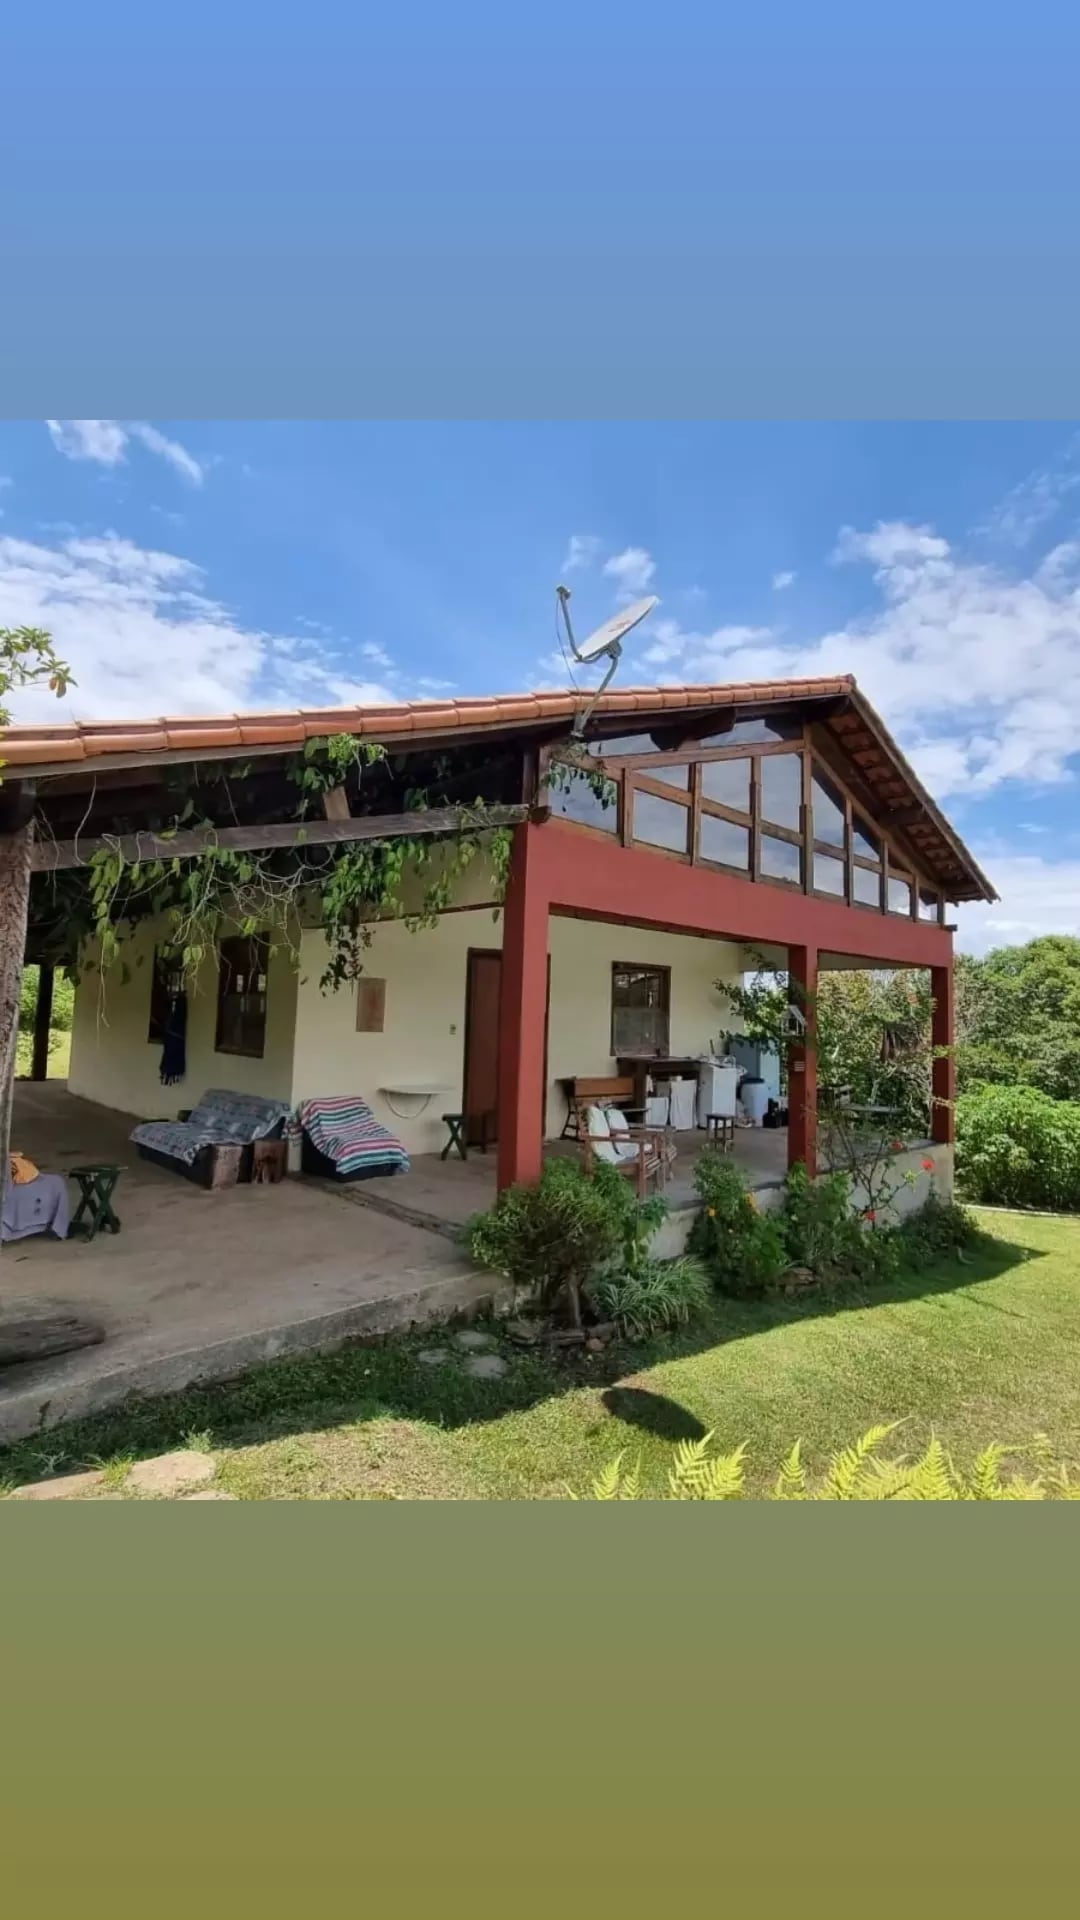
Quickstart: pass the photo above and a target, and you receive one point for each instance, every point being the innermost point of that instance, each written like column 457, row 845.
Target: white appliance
column 681, row 1108
column 716, row 1090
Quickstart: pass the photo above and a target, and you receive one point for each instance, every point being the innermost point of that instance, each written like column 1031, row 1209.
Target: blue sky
column 187, row 567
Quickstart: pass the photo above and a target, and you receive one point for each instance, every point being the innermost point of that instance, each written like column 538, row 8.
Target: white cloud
column 106, row 442
column 582, row 551
column 632, row 569
column 1037, row 896
column 102, row 440
column 143, row 636
column 1036, row 500
column 782, row 580
column 371, row 650
column 170, row 450
column 975, row 668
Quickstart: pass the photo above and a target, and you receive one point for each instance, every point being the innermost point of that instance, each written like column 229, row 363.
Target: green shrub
column 822, row 1232
column 552, row 1236
column 654, row 1295
column 940, row 1228
column 860, row 1472
column 1018, row 1147
column 741, row 1249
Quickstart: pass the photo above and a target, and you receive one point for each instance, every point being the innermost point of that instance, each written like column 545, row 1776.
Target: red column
column 523, row 1015
column 802, row 1061
column 943, row 1073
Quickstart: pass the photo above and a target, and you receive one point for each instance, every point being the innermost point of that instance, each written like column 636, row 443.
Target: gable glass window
column 929, row 903
column 241, row 1008
column 671, row 775
column 781, row 859
column 829, row 874
column 865, row 845
column 640, row 1003
column 899, row 894
column 727, row 782
column 661, row 823
column 866, row 886
column 571, row 797
column 724, row 842
column 761, row 732
column 781, row 789
column 828, row 808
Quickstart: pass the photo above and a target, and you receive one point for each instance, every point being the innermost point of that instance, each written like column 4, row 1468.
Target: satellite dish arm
column 581, row 720
column 563, row 595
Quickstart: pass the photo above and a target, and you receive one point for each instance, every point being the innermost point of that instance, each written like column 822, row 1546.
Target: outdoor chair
column 643, row 1154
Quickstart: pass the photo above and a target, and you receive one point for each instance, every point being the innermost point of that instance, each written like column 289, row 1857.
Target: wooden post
column 943, row 1071
column 802, row 1061
column 523, row 1017
column 15, row 850
column 39, row 1063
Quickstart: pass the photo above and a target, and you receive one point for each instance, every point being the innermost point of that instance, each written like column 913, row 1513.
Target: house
column 616, row 879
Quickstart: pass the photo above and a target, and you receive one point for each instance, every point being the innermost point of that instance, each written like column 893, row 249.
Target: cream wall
column 113, row 1063
column 423, row 1037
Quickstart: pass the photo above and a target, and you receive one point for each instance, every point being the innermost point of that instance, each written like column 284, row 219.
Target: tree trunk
column 14, row 904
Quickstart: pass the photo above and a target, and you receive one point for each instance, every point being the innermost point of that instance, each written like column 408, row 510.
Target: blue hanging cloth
column 174, row 1049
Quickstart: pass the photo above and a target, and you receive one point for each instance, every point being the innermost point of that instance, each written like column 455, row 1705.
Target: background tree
column 1018, row 1018
column 26, row 659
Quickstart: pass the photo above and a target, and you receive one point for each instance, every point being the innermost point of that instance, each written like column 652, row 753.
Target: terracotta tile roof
column 89, row 740
column 63, row 749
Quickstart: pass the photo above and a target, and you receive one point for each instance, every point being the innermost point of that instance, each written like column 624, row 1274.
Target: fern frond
column 932, row 1477
column 696, row 1475
column 984, row 1480
column 791, row 1480
column 846, row 1467
column 609, row 1481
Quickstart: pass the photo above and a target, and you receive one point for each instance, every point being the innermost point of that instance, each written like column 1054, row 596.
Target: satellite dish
column 606, row 640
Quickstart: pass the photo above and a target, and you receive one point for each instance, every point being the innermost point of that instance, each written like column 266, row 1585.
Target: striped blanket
column 347, row 1132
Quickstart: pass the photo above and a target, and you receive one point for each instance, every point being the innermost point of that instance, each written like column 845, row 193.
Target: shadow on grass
column 366, row 1381
column 653, row 1413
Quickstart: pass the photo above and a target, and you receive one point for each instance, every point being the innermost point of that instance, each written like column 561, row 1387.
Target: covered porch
column 561, row 872
column 200, row 1285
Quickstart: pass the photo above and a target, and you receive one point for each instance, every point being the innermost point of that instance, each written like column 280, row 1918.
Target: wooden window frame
column 259, row 953
column 664, row 975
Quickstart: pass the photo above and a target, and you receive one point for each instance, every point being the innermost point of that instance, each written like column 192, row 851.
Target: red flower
column 897, row 1146
column 928, row 1166
column 870, row 1215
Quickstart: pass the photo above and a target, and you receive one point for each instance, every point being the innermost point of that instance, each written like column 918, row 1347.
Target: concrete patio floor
column 447, row 1192
column 198, row 1285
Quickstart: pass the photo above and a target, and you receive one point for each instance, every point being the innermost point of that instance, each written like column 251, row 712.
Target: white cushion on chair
column 599, row 1132
column 619, row 1127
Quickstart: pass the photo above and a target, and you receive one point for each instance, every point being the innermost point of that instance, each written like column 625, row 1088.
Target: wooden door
column 480, row 1094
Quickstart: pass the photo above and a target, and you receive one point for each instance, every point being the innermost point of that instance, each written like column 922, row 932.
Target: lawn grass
column 983, row 1351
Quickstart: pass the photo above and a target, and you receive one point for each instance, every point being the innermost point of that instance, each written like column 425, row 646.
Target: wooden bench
column 613, row 1091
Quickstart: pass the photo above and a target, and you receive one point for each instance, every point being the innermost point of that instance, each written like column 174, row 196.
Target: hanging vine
column 345, row 890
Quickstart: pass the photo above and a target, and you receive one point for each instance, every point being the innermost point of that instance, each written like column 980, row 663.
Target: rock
column 473, row 1339
column 63, row 1486
column 525, row 1333
column 171, row 1472
column 211, row 1493
column 593, row 1345
column 604, row 1330
column 486, row 1366
column 433, row 1356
